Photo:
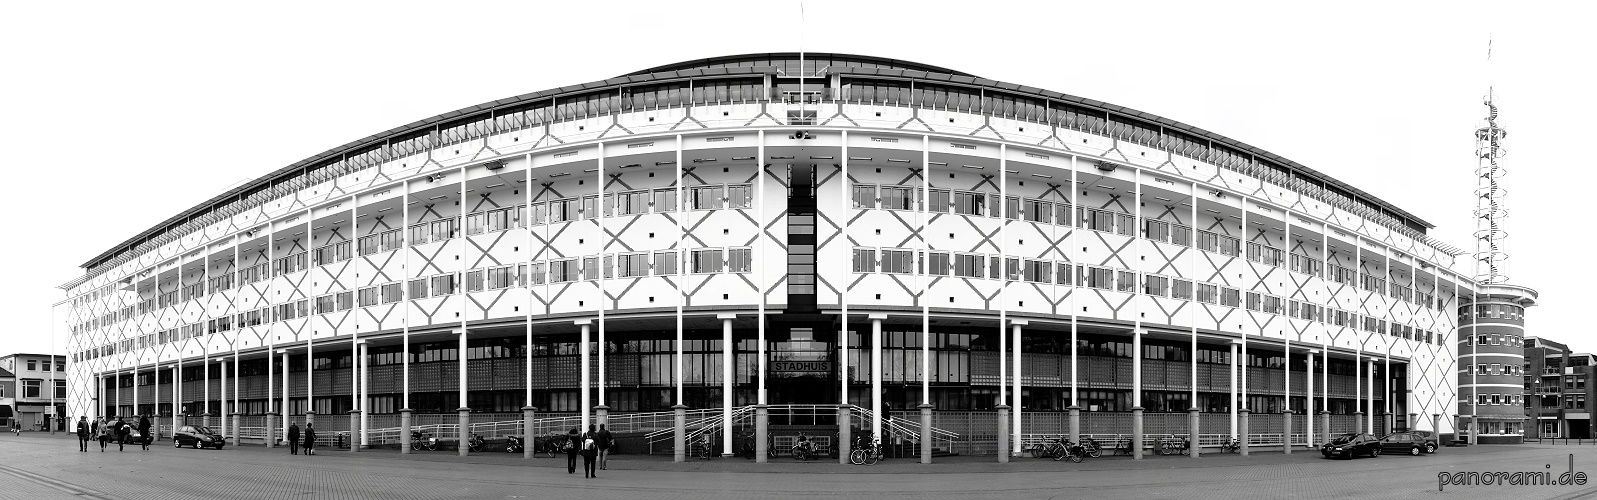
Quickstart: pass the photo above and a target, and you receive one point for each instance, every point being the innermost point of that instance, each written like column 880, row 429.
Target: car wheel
column 1430, row 447
column 1375, row 452
column 177, row 444
column 1415, row 451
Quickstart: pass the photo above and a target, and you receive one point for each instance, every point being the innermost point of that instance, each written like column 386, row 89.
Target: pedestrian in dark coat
column 83, row 433
column 310, row 440
column 144, row 432
column 572, row 444
column 590, row 451
column 122, row 431
column 604, row 440
column 293, row 439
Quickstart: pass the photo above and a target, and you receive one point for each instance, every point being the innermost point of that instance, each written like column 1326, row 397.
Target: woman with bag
column 590, row 452
column 570, row 447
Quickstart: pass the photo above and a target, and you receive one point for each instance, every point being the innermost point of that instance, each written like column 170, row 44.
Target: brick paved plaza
column 40, row 466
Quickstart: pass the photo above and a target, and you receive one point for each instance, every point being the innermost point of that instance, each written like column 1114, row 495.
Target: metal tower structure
column 1491, row 217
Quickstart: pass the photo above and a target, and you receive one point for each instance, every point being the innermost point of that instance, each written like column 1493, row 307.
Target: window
column 418, row 288
column 1155, row 285
column 562, row 210
column 368, row 297
column 1156, row 230
column 898, row 261
column 1039, row 211
column 590, row 268
column 739, row 195
column 708, row 260
column 1038, row 271
column 33, row 365
column 346, row 301
column 60, row 387
column 1066, row 274
column 31, row 388
column 897, row 198
column 635, row 202
column 1100, row 278
column 1126, row 282
column 503, row 277
column 325, row 304
column 634, row 265
column 940, row 201
column 739, row 260
column 538, row 213
column 665, row 200
column 474, row 280
column 705, row 198
column 1012, row 269
column 939, row 264
column 1181, row 289
column 864, row 196
column 966, row 203
column 563, row 271
column 391, row 293
column 665, row 263
column 967, row 265
column 445, row 284
column 1011, row 207
column 1230, row 297
column 864, row 260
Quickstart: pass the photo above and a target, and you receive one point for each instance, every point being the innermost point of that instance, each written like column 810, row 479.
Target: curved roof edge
column 690, row 71
column 709, row 61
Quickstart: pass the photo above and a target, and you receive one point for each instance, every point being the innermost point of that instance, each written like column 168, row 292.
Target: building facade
column 40, row 393
column 8, row 402
column 1558, row 400
column 762, row 229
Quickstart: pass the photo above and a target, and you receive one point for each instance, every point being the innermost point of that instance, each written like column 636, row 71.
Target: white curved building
column 992, row 246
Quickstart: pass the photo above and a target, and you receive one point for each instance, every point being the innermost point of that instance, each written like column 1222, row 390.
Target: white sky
column 118, row 115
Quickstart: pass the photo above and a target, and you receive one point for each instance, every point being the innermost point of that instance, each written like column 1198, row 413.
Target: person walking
column 570, row 447
column 99, row 429
column 310, row 439
column 122, row 431
column 604, row 442
column 144, row 432
column 83, row 433
column 590, row 451
column 293, row 439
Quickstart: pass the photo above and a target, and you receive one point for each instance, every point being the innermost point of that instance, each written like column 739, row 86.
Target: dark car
column 1411, row 442
column 1352, row 445
column 198, row 437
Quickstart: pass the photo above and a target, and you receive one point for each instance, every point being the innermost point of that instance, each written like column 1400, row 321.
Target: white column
column 1192, row 305
column 284, row 352
column 682, row 274
column 876, row 375
column 604, row 243
column 223, row 404
column 1003, row 279
column 1235, row 404
column 586, row 399
column 1014, row 428
column 1325, row 377
column 1358, row 384
column 1075, row 282
column 404, row 305
column 526, row 281
column 1308, row 402
column 363, row 398
column 846, row 209
column 728, row 351
column 922, row 217
column 759, row 265
column 1369, row 416
column 460, row 385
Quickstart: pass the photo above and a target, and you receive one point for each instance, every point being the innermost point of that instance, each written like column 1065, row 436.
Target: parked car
column 1411, row 442
column 197, row 436
column 1351, row 445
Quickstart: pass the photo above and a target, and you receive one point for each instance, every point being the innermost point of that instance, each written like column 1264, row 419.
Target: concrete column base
column 237, row 440
column 845, row 432
column 926, row 433
column 1358, row 422
column 1136, row 432
column 1413, row 420
column 601, row 415
column 271, row 430
column 1192, row 429
column 679, row 442
column 205, row 419
column 1242, row 426
column 354, row 431
column 1436, row 426
column 404, row 430
column 1325, row 426
column 1286, row 435
column 762, row 428
column 1474, row 430
column 463, row 448
column 1075, row 424
column 310, row 417
column 1003, row 433
column 527, row 416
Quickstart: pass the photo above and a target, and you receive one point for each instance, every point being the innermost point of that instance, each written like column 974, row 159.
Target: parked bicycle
column 513, row 444
column 1046, row 449
column 1123, row 446
column 1068, row 450
column 804, row 449
column 706, row 443
column 549, row 445
column 1231, row 445
column 476, row 443
column 1173, row 446
column 1090, row 447
column 867, row 453
column 420, row 440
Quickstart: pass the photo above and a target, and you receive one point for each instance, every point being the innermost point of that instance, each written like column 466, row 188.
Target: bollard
column 762, row 427
column 1192, row 423
column 1242, row 424
column 1003, row 433
column 404, row 431
column 925, row 433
